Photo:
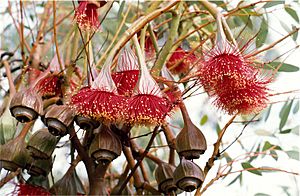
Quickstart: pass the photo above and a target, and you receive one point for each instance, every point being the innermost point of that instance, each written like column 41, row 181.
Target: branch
column 10, row 176
column 138, row 24
column 273, row 44
column 247, row 169
column 215, row 153
column 140, row 159
column 162, row 56
column 55, row 38
column 12, row 89
column 81, row 151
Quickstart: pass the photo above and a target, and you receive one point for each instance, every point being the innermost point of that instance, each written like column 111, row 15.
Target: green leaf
column 218, row 128
column 261, row 194
column 254, row 157
column 296, row 108
column 268, row 112
column 293, row 154
column 247, row 165
column 292, row 13
column 234, row 180
column 267, row 146
column 262, row 36
column 295, row 35
column 285, row 115
column 121, row 10
column 285, row 131
column 204, row 119
column 8, row 126
column 274, row 154
column 284, row 67
column 285, row 26
column 273, row 3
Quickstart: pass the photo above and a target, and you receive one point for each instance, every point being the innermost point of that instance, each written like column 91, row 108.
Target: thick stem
column 88, row 162
column 97, row 183
column 170, row 137
column 161, row 59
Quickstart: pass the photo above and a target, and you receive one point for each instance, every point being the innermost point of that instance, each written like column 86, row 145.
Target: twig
column 55, row 38
column 12, row 89
column 163, row 54
column 104, row 55
column 140, row 160
column 22, row 33
column 272, row 45
column 10, row 176
column 239, row 134
column 215, row 153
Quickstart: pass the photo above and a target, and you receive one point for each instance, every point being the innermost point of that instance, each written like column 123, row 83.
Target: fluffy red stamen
column 25, row 189
column 147, row 109
column 180, row 62
column 231, row 79
column 98, row 104
column 86, row 15
column 248, row 98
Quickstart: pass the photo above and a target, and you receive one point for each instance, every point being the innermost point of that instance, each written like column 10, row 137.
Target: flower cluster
column 129, row 95
column 232, row 79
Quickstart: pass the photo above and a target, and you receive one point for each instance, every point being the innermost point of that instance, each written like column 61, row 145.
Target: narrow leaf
column 292, row 13
column 295, row 35
column 267, row 146
column 273, row 3
column 268, row 112
column 262, row 36
column 284, row 67
column 285, row 116
column 261, row 194
column 274, row 154
column 234, row 180
column 285, row 131
column 293, row 154
column 247, row 165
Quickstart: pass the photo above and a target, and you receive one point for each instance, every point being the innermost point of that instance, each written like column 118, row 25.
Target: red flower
column 232, row 79
column 221, row 64
column 86, row 15
column 127, row 73
column 26, row 189
column 100, row 101
column 180, row 62
column 98, row 104
column 147, row 105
